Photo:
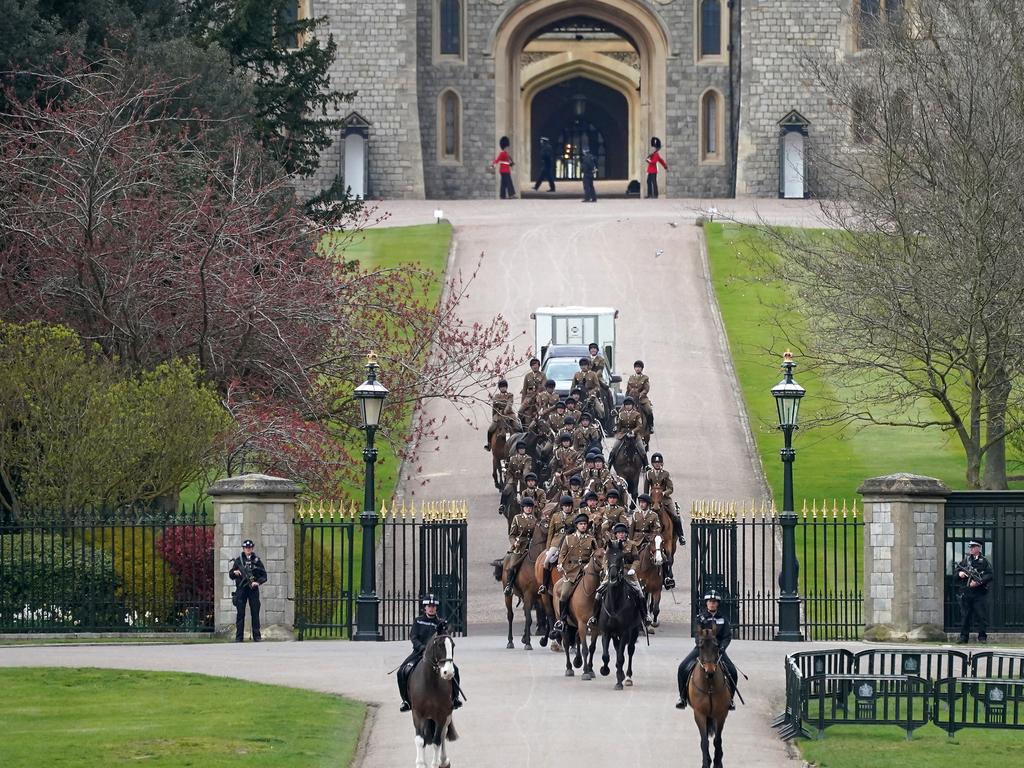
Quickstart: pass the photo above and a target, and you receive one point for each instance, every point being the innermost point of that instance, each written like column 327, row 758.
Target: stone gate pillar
column 904, row 531
column 261, row 508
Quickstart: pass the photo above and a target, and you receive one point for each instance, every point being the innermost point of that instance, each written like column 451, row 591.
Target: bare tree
column 916, row 295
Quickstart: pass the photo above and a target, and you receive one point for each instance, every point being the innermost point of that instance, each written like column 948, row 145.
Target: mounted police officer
column 559, row 527
column 974, row 574
column 249, row 574
column 520, row 534
column 630, row 554
column 424, row 627
column 723, row 633
column 576, row 551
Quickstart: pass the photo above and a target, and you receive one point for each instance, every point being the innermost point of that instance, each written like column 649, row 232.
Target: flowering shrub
column 188, row 551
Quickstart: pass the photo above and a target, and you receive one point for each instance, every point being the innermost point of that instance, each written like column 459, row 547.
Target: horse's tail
column 452, row 733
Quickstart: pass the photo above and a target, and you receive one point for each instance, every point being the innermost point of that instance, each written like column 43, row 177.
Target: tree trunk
column 995, row 456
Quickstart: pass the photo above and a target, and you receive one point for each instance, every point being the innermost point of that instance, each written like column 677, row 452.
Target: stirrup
column 456, row 704
column 559, row 626
column 405, row 707
column 681, row 703
column 669, row 583
column 542, row 590
column 592, row 621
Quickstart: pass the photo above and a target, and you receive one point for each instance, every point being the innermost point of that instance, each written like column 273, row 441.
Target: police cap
column 429, row 599
column 247, row 544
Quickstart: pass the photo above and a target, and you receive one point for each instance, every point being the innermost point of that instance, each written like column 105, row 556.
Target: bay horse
column 629, row 464
column 509, row 505
column 668, row 524
column 581, row 608
column 526, row 589
column 708, row 693
column 620, row 621
column 498, row 444
column 430, row 695
column 648, row 572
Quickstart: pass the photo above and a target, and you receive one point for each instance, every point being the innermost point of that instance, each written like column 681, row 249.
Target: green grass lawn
column 93, row 717
column 887, row 747
column 831, row 461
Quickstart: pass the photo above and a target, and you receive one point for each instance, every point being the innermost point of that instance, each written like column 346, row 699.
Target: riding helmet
column 550, row 384
column 629, row 401
column 620, row 526
column 581, row 517
column 502, row 383
column 530, row 476
column 613, row 492
column 584, row 362
column 644, row 497
column 429, row 599
column 565, row 501
column 575, row 480
column 560, row 404
column 534, row 360
column 570, row 420
column 520, row 446
column 599, row 457
column 526, row 501
column 712, row 595
column 657, row 457
column 638, row 364
column 592, row 345
column 589, row 495
column 564, row 437
column 584, row 416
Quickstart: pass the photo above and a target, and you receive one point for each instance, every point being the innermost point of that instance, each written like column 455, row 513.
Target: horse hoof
column 527, row 647
column 629, row 682
column 605, row 671
column 544, row 641
column 655, row 623
column 556, row 647
column 577, row 663
column 618, row 686
column 510, row 644
column 588, row 676
column 569, row 672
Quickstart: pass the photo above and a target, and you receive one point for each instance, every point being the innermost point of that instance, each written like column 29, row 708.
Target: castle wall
column 377, row 59
column 779, row 36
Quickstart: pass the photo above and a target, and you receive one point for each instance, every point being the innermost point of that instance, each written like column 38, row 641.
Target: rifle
column 972, row 574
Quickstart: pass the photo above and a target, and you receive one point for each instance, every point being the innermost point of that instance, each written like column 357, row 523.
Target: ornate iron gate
column 736, row 550
column 419, row 551
column 996, row 518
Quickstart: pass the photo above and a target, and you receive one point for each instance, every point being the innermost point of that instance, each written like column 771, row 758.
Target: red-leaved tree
column 116, row 221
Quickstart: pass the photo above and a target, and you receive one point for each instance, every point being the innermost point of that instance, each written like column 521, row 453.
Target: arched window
column 449, row 19
column 711, row 126
column 874, row 17
column 710, row 28
column 450, row 127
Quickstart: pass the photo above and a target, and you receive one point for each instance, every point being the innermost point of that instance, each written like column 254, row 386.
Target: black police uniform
column 423, row 628
column 974, row 600
column 724, row 637
column 589, row 169
column 246, row 594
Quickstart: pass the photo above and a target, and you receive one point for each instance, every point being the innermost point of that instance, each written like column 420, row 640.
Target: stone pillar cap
column 254, row 485
column 903, row 484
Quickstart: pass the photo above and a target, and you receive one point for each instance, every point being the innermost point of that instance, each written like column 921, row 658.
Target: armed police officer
column 723, row 634
column 424, row 627
column 249, row 574
column 974, row 574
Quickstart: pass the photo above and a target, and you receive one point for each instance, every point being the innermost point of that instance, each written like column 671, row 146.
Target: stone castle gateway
column 723, row 83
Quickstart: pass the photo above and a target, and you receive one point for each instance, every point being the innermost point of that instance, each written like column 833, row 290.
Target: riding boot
column 678, row 523
column 668, row 580
column 403, row 689
column 546, row 583
column 563, row 615
column 456, row 701
column 592, row 621
column 650, row 421
column 510, row 585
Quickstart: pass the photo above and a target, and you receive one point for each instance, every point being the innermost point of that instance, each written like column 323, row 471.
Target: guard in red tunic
column 504, row 163
column 652, row 167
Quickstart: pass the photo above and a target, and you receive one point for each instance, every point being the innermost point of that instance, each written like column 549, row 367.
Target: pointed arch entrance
column 613, row 51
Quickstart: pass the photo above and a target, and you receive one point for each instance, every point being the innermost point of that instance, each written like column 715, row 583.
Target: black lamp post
column 370, row 394
column 787, row 394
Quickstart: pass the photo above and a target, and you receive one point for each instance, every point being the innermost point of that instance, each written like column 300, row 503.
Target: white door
column 793, row 170
column 355, row 163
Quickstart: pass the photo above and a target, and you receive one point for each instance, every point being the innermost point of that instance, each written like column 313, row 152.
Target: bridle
column 438, row 663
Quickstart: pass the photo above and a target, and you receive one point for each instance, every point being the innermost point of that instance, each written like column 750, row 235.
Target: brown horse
column 667, row 523
column 648, row 572
column 430, row 694
column 581, row 608
column 708, row 693
column 526, row 590
column 498, row 458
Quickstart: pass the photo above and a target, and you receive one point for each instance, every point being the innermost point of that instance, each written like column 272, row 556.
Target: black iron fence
column 736, row 550
column 130, row 569
column 421, row 550
column 996, row 518
column 903, row 687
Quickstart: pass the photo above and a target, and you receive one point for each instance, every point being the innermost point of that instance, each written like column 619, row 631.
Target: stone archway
column 515, row 85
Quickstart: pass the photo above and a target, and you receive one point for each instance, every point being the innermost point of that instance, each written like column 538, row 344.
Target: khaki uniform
column 545, row 400
column 597, row 364
column 628, row 421
column 610, row 515
column 587, row 379
column 567, row 461
column 659, row 477
column 574, row 554
column 638, row 387
column 646, row 525
column 519, row 536
column 556, row 421
column 537, row 494
column 533, row 383
column 517, row 468
column 556, row 527
column 582, row 437
column 499, row 403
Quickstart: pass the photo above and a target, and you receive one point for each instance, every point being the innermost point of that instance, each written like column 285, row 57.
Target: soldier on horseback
column 520, row 534
column 628, row 422
column 723, row 633
column 532, row 490
column 533, row 383
column 612, row 513
column 594, row 514
column 646, row 522
column 585, row 378
column 587, row 435
column 630, row 554
column 658, row 477
column 555, row 417
column 638, row 387
column 517, row 468
column 547, row 397
column 567, row 461
column 423, row 628
column 576, row 551
column 503, row 415
column 576, row 489
column 558, row 528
